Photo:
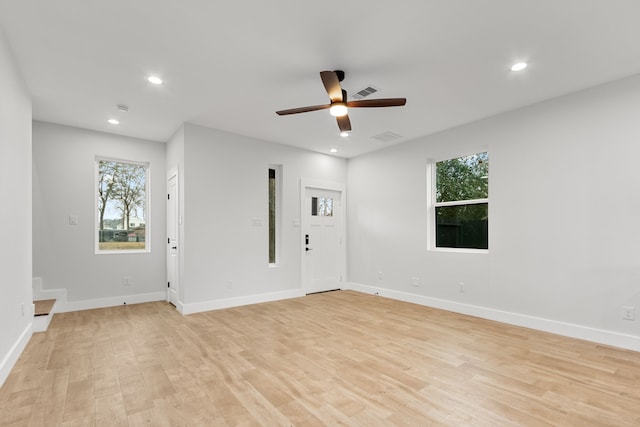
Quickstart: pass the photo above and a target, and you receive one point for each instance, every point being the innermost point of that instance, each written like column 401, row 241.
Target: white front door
column 172, row 239
column 322, row 238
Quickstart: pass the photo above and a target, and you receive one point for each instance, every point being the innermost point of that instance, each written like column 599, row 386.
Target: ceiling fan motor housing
column 339, row 103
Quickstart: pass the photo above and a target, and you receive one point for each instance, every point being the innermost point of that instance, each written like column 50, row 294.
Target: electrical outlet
column 461, row 287
column 229, row 284
column 628, row 312
column 126, row 281
column 379, row 275
column 415, row 281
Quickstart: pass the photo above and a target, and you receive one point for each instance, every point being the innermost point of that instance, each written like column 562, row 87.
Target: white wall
column 225, row 188
column 15, row 212
column 564, row 224
column 64, row 184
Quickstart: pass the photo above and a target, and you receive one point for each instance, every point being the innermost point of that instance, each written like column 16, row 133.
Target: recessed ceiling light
column 344, row 134
column 334, row 150
column 113, row 121
column 155, row 80
column 519, row 66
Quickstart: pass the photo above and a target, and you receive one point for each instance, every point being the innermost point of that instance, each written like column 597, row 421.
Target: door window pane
column 321, row 206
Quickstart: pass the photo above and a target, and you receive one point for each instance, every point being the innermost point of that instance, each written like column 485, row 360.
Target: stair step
column 44, row 307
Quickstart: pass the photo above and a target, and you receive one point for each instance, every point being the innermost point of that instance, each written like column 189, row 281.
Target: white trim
column 180, row 307
column 461, row 202
column 60, row 295
column 10, row 359
column 460, row 250
column 432, row 204
column 173, row 172
column 217, row 304
column 41, row 323
column 601, row 336
column 66, row 306
column 306, row 183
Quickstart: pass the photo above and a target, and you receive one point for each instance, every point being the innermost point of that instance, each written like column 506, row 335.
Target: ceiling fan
column 339, row 105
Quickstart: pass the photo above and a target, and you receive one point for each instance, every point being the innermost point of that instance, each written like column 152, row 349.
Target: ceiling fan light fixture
column 154, row 80
column 338, row 110
column 344, row 134
column 519, row 66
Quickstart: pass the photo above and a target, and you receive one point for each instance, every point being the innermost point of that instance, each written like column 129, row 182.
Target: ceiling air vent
column 365, row 92
column 386, row 137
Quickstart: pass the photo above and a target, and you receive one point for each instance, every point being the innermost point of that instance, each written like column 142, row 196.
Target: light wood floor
column 340, row 358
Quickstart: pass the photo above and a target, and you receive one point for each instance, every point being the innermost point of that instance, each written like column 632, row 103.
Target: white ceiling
column 230, row 65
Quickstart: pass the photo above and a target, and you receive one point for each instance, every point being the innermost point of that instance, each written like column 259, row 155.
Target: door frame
column 173, row 173
column 306, row 183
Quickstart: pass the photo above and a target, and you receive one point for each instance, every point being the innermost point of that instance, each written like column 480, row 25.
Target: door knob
column 307, row 249
column 174, row 247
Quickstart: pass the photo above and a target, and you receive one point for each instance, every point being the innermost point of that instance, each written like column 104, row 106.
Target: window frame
column 147, row 213
column 432, row 204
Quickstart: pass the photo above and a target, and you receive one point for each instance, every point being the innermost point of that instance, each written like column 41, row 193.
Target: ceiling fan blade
column 383, row 102
column 332, row 85
column 344, row 123
column 302, row 109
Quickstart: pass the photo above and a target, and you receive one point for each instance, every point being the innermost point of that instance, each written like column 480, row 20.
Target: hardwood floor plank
column 79, row 402
column 49, row 412
column 157, row 382
column 135, row 394
column 110, row 408
column 339, row 358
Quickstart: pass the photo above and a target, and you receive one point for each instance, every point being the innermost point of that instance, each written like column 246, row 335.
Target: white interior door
column 172, row 239
column 323, row 236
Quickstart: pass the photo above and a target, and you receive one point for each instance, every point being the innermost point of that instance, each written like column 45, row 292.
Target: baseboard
column 63, row 306
column 66, row 306
column 60, row 295
column 218, row 304
column 10, row 359
column 180, row 307
column 600, row 336
column 41, row 323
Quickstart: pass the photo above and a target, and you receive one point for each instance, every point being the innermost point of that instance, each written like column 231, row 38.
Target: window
column 274, row 212
column 460, row 202
column 321, row 206
column 122, row 200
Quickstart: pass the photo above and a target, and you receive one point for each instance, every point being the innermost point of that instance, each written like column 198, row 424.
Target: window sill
column 459, row 250
column 122, row 252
